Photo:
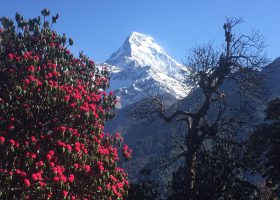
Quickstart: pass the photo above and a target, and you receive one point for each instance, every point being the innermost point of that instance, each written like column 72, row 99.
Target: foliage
column 52, row 113
column 219, row 174
column 264, row 147
column 178, row 186
column 143, row 191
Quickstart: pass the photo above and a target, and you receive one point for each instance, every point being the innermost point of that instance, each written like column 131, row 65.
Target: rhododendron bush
column 52, row 113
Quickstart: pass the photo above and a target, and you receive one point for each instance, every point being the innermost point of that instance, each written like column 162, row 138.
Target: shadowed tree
column 264, row 148
column 219, row 174
column 236, row 60
column 144, row 189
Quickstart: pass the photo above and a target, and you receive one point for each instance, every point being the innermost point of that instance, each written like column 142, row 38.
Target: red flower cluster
column 52, row 115
column 127, row 151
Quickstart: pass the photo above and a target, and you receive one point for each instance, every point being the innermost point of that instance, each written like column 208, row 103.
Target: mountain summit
column 142, row 50
column 141, row 67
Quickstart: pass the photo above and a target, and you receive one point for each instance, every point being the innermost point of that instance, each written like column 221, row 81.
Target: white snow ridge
column 141, row 67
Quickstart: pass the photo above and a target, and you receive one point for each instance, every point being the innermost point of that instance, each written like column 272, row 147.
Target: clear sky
column 99, row 27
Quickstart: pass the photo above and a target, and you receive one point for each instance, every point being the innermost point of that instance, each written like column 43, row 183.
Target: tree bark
column 189, row 173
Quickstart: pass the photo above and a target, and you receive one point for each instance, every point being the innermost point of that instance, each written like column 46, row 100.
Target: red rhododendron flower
column 33, row 156
column 34, row 177
column 87, row 168
column 56, row 179
column 65, row 193
column 101, row 168
column 23, row 174
column 48, row 156
column 33, row 139
column 68, row 147
column 2, row 139
column 27, row 182
column 63, row 178
column 31, row 68
column 71, row 178
column 41, row 163
column 10, row 56
column 12, row 142
column 11, row 127
column 76, row 165
column 42, row 184
column 67, row 98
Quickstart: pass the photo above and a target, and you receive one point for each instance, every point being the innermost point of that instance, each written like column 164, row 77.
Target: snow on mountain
column 141, row 67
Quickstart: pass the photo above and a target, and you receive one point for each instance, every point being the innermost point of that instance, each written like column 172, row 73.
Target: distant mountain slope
column 272, row 78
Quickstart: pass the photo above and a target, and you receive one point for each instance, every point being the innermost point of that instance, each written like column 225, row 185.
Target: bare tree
column 209, row 68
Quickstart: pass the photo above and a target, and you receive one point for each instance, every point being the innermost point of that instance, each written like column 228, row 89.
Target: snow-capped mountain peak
column 142, row 50
column 143, row 44
column 143, row 66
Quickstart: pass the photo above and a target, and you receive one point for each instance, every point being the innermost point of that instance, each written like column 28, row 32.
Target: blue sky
column 99, row 27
